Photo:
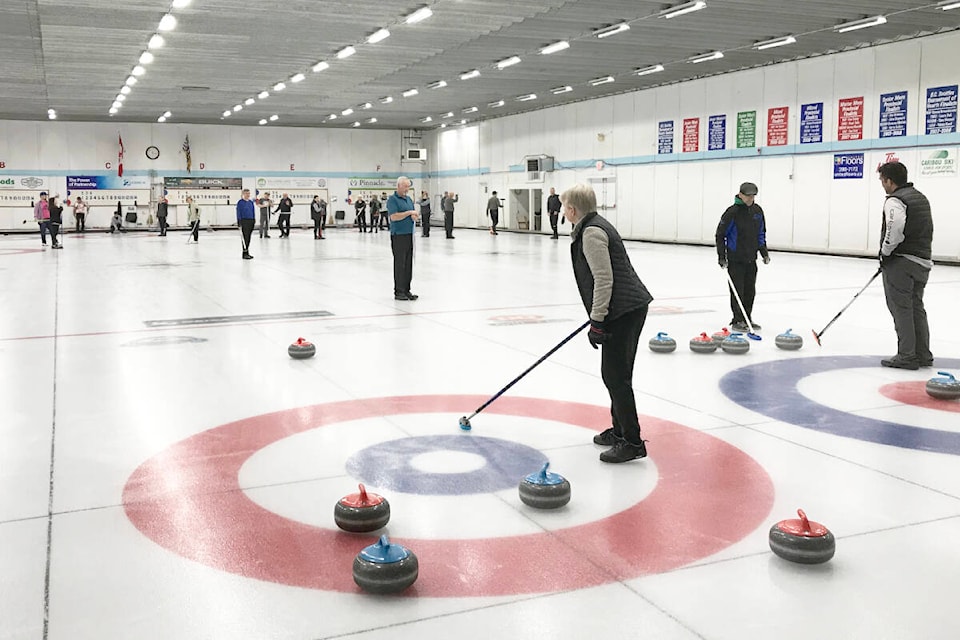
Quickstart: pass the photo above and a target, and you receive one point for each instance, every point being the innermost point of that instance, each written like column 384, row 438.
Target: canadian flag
column 120, row 156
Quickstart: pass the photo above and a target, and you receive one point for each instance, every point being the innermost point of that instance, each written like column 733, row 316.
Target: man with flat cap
column 741, row 234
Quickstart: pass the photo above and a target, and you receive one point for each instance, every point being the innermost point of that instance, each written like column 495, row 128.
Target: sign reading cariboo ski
column 202, row 183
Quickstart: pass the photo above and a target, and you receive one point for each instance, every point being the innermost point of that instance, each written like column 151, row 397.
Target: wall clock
column 152, row 152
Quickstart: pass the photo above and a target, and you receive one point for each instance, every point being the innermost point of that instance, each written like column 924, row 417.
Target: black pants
column 162, row 221
column 402, row 245
column 246, row 231
column 744, row 276
column 54, row 230
column 494, row 219
column 425, row 222
column 375, row 222
column 554, row 219
column 195, row 230
column 81, row 222
column 362, row 221
column 903, row 284
column 616, row 369
column 448, row 223
column 318, row 227
column 283, row 223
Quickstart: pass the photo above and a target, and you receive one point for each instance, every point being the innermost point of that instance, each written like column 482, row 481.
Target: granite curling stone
column 720, row 336
column 802, row 540
column 735, row 344
column 384, row 567
column 703, row 344
column 301, row 349
column 662, row 343
column 788, row 341
column 945, row 387
column 545, row 490
column 361, row 512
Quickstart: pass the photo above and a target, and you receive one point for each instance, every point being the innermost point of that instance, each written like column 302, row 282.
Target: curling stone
column 703, row 344
column 802, row 540
column 789, row 341
column 944, row 388
column 302, row 349
column 662, row 343
column 735, row 344
column 545, row 490
column 721, row 335
column 384, row 567
column 361, row 512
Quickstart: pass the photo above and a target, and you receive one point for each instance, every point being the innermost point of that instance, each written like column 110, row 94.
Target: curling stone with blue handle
column 788, row 341
column 385, row 567
column 802, row 540
column 703, row 344
column 662, row 343
column 735, row 344
column 545, row 490
column 361, row 512
column 945, row 387
column 301, row 349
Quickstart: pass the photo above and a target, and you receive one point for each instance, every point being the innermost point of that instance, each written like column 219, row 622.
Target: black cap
column 749, row 189
column 43, row 193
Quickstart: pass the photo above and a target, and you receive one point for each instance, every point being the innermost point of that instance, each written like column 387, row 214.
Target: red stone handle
column 803, row 520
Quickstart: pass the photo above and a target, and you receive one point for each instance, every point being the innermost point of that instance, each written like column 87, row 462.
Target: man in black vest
column 553, row 210
column 616, row 301
column 283, row 221
column 905, row 252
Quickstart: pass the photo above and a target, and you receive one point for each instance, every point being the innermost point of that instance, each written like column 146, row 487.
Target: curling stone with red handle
column 361, row 512
column 301, row 349
column 802, row 540
column 703, row 344
column 720, row 336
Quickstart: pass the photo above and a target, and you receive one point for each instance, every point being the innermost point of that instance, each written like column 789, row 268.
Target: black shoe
column 247, row 256
column 756, row 327
column 605, row 438
column 412, row 296
column 400, row 296
column 896, row 362
column 624, row 451
column 740, row 327
column 926, row 363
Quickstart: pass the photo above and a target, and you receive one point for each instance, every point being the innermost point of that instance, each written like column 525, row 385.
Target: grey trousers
column 264, row 224
column 903, row 285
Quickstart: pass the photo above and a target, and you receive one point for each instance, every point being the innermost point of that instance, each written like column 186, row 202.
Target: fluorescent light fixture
column 439, row 84
column 371, row 120
column 279, row 86
column 599, row 81
column 138, row 71
column 237, row 107
column 716, row 55
column 426, row 120
column 679, row 10
column 346, row 111
column 470, row 74
column 378, row 36
column 323, row 65
column 167, row 114
column 526, row 98
column 156, row 41
column 227, row 113
column 117, row 105
column 51, row 110
column 263, row 121
column 508, row 62
column 386, row 99
column 346, row 52
column 113, row 110
column 947, row 5
column 168, row 23
column 462, row 122
column 180, row 4
column 612, row 31
column 161, row 119
column 146, row 57
column 263, row 94
column 555, row 47
column 448, row 114
column 297, row 78
column 125, row 90
column 332, row 116
column 558, row 90
column 657, row 68
column 776, row 42
column 52, row 116
column 860, row 24
column 120, row 97
column 357, row 123
column 249, row 101
column 419, row 15
column 443, row 126
column 470, row 110
column 410, row 92
column 130, row 81
column 274, row 118
column 498, row 103
column 366, row 105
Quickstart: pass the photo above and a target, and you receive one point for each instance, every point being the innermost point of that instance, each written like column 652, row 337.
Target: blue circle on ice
column 388, row 465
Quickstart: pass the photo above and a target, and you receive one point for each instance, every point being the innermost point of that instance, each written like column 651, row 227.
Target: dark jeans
column 554, row 219
column 318, row 227
column 283, row 223
column 448, row 223
column 402, row 245
column 54, row 230
column 616, row 369
column 162, row 221
column 903, row 284
column 44, row 225
column 744, row 276
column 246, row 231
column 81, row 222
column 375, row 222
column 362, row 221
column 494, row 219
column 425, row 223
column 195, row 230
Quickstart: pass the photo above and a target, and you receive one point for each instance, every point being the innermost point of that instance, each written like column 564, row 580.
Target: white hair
column 403, row 179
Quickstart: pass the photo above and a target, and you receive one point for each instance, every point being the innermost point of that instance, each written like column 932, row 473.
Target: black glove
column 596, row 334
column 723, row 263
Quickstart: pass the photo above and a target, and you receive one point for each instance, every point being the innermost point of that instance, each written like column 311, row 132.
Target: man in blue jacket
column 246, row 219
column 742, row 232
column 403, row 219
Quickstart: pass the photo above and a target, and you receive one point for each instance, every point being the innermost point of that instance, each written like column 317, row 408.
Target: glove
column 723, row 263
column 596, row 334
column 766, row 259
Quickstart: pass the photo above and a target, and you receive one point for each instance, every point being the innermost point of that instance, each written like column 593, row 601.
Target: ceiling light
column 263, row 121
column 249, row 101
column 168, row 23
column 860, row 24
column 470, row 74
column 386, row 100
column 776, row 42
column 238, row 107
column 274, row 118
column 443, row 126
column 323, row 65
column 449, row 114
column 227, row 113
column 263, row 94
column 167, row 114
column 346, row 52
column 279, row 86
column 52, row 115
column 130, row 81
column 946, row 5
column 498, row 103
column 371, row 120
column 462, row 122
column 117, row 105
column 439, row 84
column 297, row 78
column 470, row 110
column 332, row 116
column 125, row 90
column 146, row 57
column 161, row 119
column 679, row 10
column 366, row 105
column 346, row 112
column 378, row 36
column 138, row 71
column 556, row 46
column 180, row 4
column 51, row 110
column 120, row 97
column 113, row 110
column 419, row 15
column 426, row 120
column 509, row 62
column 612, row 31
column 599, row 81
column 356, row 124
column 156, row 41
column 410, row 92
column 559, row 90
column 716, row 55
column 529, row 96
column 657, row 68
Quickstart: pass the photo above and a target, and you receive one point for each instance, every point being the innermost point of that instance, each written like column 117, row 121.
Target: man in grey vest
column 266, row 204
column 616, row 301
column 905, row 252
column 449, row 199
column 493, row 210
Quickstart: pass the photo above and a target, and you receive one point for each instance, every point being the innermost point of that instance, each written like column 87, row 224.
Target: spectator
column 41, row 213
column 449, row 199
column 56, row 221
column 403, row 219
column 265, row 205
column 283, row 222
column 246, row 219
column 493, row 210
column 162, row 216
column 318, row 212
column 80, row 214
column 360, row 206
column 553, row 210
column 193, row 217
column 425, row 213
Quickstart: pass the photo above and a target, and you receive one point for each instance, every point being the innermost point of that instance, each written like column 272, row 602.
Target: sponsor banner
column 26, row 183
column 717, row 133
column 297, row 183
column 746, row 129
column 939, row 162
column 778, row 126
column 691, row 135
column 89, row 183
column 665, row 137
column 202, row 183
column 110, row 197
column 811, row 123
column 889, row 156
column 850, row 119
column 847, row 165
column 893, row 114
column 384, row 184
column 941, row 110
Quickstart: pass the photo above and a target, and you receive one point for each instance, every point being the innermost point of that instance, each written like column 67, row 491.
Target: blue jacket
column 742, row 232
column 246, row 210
column 397, row 204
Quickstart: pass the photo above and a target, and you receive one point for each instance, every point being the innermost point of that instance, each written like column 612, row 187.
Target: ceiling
column 74, row 56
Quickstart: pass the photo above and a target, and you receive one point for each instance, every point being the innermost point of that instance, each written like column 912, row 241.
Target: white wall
column 679, row 197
